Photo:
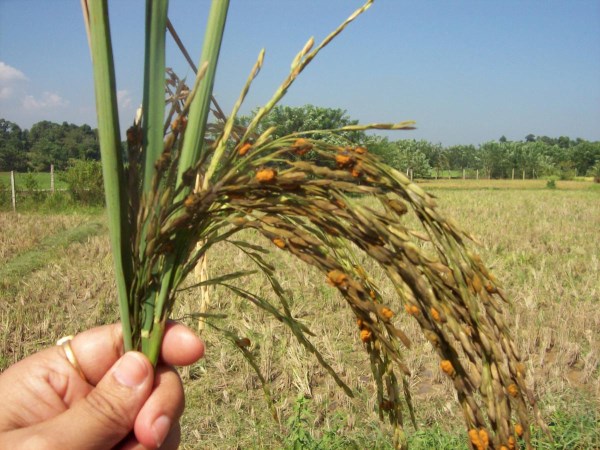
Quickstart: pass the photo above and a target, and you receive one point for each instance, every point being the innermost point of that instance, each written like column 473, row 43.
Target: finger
column 171, row 442
column 107, row 414
column 97, row 349
column 181, row 346
column 162, row 409
column 173, row 438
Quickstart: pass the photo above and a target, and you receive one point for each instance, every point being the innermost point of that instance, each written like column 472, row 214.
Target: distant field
column 542, row 244
column 505, row 184
column 43, row 179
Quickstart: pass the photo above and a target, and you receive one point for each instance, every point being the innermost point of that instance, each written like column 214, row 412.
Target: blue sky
column 466, row 71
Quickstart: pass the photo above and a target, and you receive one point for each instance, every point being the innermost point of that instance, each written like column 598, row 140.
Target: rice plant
column 186, row 184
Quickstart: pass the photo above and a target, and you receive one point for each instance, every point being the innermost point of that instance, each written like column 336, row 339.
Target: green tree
column 402, row 154
column 436, row 156
column 294, row 119
column 495, row 159
column 564, row 142
column 12, row 147
column 462, row 157
column 51, row 143
column 291, row 119
column 584, row 156
column 532, row 158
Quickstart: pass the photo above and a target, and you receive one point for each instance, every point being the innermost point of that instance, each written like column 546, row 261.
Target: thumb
column 107, row 414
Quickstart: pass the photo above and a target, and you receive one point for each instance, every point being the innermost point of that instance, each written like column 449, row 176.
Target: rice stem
column 96, row 11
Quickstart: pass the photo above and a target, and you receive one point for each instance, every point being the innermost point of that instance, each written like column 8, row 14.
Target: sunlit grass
column 42, row 178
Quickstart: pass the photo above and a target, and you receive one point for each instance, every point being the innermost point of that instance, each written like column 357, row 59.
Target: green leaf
column 154, row 85
column 193, row 145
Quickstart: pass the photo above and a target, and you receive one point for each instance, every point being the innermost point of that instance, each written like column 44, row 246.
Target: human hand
column 123, row 403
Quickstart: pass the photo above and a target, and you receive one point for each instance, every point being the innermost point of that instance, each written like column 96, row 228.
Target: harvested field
column 542, row 245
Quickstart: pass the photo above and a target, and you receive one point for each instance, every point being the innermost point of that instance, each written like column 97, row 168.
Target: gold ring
column 65, row 343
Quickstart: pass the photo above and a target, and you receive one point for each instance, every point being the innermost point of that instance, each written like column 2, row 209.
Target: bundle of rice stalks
column 178, row 188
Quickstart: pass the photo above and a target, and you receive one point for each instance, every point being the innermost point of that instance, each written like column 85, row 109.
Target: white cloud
column 9, row 74
column 124, row 98
column 9, row 78
column 49, row 100
column 5, row 92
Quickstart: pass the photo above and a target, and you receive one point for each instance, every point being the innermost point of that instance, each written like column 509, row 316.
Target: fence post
column 52, row 178
column 513, row 173
column 12, row 189
column 478, row 174
column 523, row 174
column 463, row 173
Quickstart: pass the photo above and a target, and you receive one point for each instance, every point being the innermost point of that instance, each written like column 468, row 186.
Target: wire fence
column 18, row 188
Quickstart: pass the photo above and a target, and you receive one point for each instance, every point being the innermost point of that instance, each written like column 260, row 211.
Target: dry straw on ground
column 546, row 254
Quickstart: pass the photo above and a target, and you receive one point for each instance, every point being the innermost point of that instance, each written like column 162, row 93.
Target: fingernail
column 131, row 370
column 160, row 429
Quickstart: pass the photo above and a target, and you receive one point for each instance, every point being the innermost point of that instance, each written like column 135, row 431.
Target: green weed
column 301, row 436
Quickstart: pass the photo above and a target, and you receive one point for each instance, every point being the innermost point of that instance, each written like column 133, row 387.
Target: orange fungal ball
column 387, row 313
column 512, row 443
column 244, row 149
column 302, row 146
column 484, row 438
column 519, row 429
column 411, row 309
column 343, row 160
column 337, row 278
column 266, row 175
column 279, row 242
column 365, row 335
column 479, row 438
column 447, row 367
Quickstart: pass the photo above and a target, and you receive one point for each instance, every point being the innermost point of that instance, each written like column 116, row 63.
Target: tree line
column 535, row 156
column 44, row 144
column 532, row 157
